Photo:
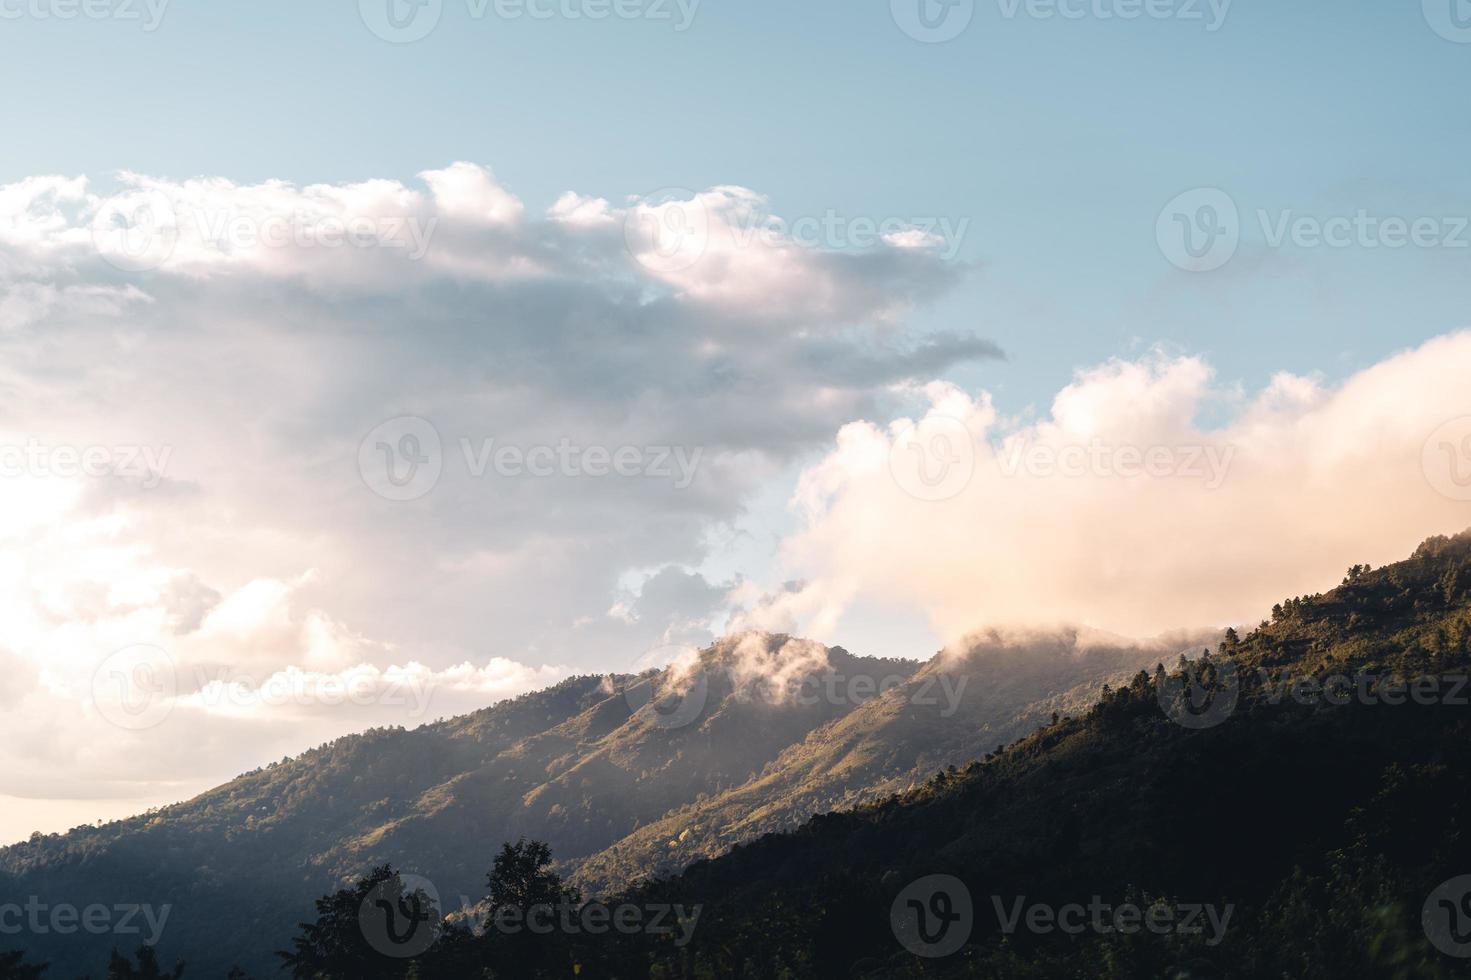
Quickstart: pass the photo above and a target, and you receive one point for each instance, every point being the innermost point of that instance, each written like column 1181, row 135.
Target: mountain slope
column 954, row 709
column 760, row 733
column 1322, row 822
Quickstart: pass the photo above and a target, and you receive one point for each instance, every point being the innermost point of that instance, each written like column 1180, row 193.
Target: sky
column 366, row 362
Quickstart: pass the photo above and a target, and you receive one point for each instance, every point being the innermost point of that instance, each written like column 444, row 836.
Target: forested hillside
column 622, row 776
column 1324, row 815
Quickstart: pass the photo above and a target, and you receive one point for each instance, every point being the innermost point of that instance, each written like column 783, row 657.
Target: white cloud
column 463, row 190
column 1069, row 518
column 225, row 348
column 588, row 212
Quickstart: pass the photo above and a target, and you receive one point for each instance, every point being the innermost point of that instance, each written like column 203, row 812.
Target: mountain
column 1306, row 782
column 1299, row 795
column 953, row 709
column 623, row 776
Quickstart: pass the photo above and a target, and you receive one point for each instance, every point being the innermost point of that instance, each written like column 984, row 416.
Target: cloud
column 197, row 374
column 1120, row 509
column 772, row 668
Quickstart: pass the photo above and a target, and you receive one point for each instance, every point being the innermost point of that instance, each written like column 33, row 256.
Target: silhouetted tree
column 521, row 885
column 121, row 968
column 520, row 879
column 336, row 945
column 14, row 967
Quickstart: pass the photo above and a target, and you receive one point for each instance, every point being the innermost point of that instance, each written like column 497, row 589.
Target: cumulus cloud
column 200, row 376
column 1120, row 509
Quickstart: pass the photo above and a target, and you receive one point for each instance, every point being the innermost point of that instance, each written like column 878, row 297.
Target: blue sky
column 1059, row 140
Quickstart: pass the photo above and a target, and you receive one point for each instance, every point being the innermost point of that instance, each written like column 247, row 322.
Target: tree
column 521, row 886
column 121, row 968
column 337, row 944
column 14, row 967
column 519, row 879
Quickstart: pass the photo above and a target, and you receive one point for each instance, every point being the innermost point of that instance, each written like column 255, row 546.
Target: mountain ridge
column 604, row 767
column 1322, row 822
